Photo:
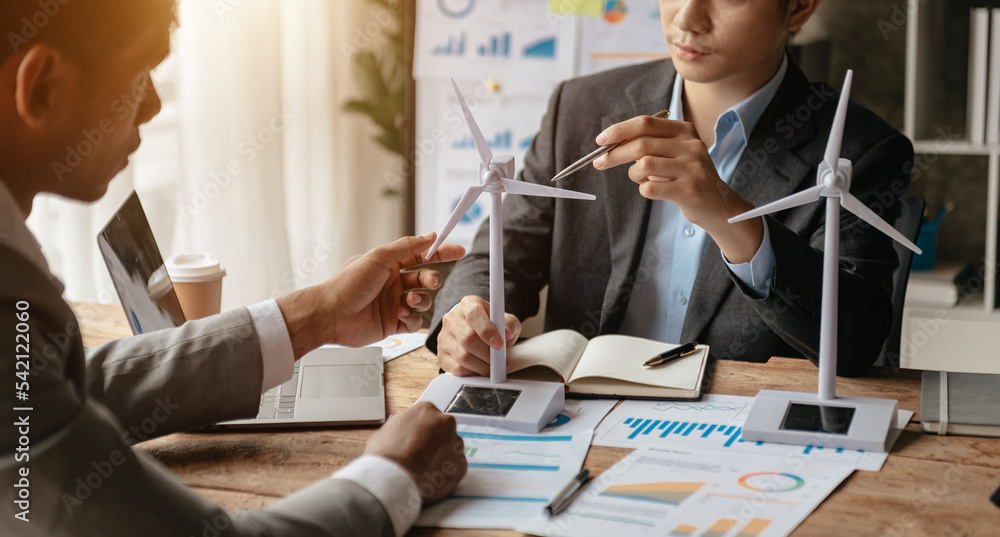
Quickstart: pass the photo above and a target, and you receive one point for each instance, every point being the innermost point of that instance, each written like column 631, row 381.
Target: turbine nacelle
column 501, row 167
column 835, row 180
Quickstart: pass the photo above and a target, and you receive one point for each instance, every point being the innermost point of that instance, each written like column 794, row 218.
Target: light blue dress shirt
column 673, row 247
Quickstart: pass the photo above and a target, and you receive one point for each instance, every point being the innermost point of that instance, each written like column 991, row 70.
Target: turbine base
column 519, row 405
column 806, row 420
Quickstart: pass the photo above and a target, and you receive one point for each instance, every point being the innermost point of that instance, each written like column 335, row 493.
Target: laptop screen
column 137, row 270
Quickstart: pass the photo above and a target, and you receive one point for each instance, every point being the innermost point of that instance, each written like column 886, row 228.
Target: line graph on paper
column 735, row 411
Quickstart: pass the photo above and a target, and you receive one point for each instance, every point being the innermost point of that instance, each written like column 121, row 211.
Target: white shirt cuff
column 275, row 344
column 390, row 484
column 758, row 272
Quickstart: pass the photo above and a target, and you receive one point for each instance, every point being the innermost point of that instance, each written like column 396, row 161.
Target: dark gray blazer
column 88, row 407
column 588, row 253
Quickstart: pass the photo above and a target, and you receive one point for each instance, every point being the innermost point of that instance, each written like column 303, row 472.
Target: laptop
column 330, row 386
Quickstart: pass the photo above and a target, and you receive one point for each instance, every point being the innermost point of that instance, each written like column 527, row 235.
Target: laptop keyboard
column 278, row 403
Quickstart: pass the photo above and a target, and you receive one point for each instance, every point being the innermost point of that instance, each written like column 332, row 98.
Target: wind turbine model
column 826, row 420
column 520, row 405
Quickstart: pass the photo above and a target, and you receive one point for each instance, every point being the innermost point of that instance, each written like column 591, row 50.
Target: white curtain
column 251, row 159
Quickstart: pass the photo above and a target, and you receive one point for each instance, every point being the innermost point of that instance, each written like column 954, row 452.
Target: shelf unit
column 965, row 338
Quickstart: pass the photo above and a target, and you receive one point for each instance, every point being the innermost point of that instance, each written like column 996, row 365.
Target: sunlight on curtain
column 251, row 158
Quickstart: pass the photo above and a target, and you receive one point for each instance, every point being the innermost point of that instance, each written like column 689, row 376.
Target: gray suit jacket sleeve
column 84, row 478
column 206, row 371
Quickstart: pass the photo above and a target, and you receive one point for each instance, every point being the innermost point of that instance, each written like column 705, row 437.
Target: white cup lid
column 158, row 284
column 188, row 268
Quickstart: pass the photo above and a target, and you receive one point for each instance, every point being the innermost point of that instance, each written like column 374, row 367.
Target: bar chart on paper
column 697, row 493
column 714, row 423
column 754, row 528
column 665, row 492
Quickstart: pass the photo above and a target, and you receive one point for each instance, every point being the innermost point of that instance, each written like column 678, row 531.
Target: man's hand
column 467, row 335
column 423, row 441
column 672, row 163
column 368, row 299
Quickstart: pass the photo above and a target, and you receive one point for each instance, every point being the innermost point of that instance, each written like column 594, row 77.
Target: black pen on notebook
column 565, row 496
column 676, row 352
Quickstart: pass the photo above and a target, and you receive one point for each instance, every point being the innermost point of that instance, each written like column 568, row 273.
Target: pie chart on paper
column 615, row 11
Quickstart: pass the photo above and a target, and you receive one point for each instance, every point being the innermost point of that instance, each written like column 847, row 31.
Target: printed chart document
column 513, row 475
column 396, row 345
column 514, row 41
column 625, row 34
column 713, row 423
column 400, row 344
column 698, row 492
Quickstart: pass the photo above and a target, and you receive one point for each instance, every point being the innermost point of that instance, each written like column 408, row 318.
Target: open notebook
column 608, row 365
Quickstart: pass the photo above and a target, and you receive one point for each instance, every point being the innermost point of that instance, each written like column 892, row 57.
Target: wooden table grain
column 930, row 486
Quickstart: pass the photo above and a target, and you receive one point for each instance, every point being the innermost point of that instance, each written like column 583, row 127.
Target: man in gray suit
column 77, row 76
column 746, row 128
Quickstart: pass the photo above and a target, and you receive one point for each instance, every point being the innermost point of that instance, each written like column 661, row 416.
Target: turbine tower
column 844, row 422
column 516, row 404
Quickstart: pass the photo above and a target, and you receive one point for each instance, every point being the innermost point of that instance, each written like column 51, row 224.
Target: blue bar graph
column 498, row 45
column 728, row 434
column 545, row 48
column 502, row 140
column 514, row 438
column 454, row 47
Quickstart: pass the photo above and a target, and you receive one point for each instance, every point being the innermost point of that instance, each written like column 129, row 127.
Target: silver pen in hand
column 597, row 153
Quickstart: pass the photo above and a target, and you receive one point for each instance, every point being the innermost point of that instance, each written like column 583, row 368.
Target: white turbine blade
column 832, row 155
column 854, row 205
column 463, row 206
column 477, row 135
column 531, row 189
column 800, row 198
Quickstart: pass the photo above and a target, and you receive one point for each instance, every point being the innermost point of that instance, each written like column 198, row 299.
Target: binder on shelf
column 960, row 403
column 993, row 86
column 979, row 31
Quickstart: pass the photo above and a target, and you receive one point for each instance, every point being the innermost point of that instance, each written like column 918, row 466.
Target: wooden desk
column 931, row 485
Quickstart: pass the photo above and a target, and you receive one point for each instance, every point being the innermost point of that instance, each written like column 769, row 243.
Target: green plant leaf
column 381, row 76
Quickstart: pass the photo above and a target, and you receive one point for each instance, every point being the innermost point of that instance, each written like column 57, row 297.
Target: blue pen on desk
column 676, row 352
column 565, row 496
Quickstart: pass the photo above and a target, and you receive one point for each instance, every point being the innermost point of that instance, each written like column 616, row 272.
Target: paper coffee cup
column 197, row 280
column 163, row 295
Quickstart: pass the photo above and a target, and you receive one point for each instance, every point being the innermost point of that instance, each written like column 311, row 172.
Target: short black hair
column 85, row 30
